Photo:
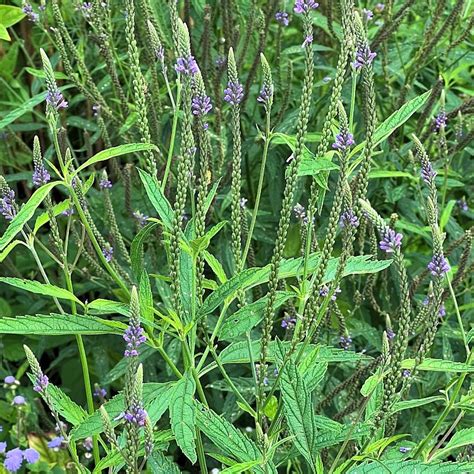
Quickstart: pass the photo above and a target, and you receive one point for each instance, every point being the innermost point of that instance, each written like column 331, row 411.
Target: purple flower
column 68, row 212
column 266, row 94
column 426, row 301
column 13, row 460
column 364, row 57
column 368, row 14
column 187, row 66
column 108, row 253
column 462, row 204
column 390, row 334
column 308, row 40
column 380, row 7
column 348, row 219
column 404, row 450
column 406, row 373
column 345, row 342
column 140, row 217
column 56, row 442
column 343, row 141
column 86, row 8
column 438, row 266
column 100, row 392
column 134, row 336
column 324, row 291
column 440, row 120
column 30, row 455
column 105, row 183
column 40, row 175
column 56, row 100
column 28, row 11
column 442, row 311
column 288, row 322
column 201, row 105
column 391, row 241
column 87, row 444
column 7, row 205
column 3, row 447
column 303, row 6
column 282, row 18
column 136, row 415
column 10, row 380
column 234, row 93
column 41, row 383
column 427, row 172
column 19, row 400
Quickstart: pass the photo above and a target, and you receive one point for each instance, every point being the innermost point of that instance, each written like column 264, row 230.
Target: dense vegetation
column 236, row 236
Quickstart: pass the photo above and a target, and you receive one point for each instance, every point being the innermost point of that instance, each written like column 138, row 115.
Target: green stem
column 458, row 316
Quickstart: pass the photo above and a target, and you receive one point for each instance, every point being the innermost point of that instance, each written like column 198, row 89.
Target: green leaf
column 407, row 404
column 378, row 174
column 62, row 404
column 240, row 467
column 121, row 367
column 26, row 213
column 114, row 152
column 446, row 214
column 38, row 288
column 313, row 369
column 146, row 297
column 4, row 253
column 41, row 74
column 460, row 438
column 438, row 365
column 4, row 35
column 156, row 397
column 412, row 467
column 157, row 198
column 10, row 15
column 43, row 219
column 299, row 412
column 102, row 306
column 136, row 250
column 160, row 464
column 183, row 415
column 59, row 325
column 249, row 316
column 216, row 266
column 229, row 439
column 311, row 167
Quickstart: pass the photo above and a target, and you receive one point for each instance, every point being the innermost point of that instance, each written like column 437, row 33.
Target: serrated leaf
column 438, row 365
column 38, row 288
column 407, row 404
column 62, row 404
column 183, row 415
column 159, row 464
column 146, row 297
column 115, row 151
column 157, row 198
column 26, row 213
column 102, row 306
column 411, row 467
column 240, row 467
column 59, row 325
column 461, row 438
column 120, row 369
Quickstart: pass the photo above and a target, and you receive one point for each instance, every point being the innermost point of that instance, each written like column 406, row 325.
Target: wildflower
column 7, row 205
column 462, row 204
column 68, row 212
column 30, row 455
column 380, row 7
column 426, row 301
column 134, row 335
column 288, row 322
column 140, row 217
column 136, row 415
column 105, row 183
column 406, row 373
column 348, row 219
column 364, row 57
column 40, row 175
column 300, row 212
column 440, row 120
column 442, row 311
column 282, row 18
column 56, row 442
column 303, row 6
column 438, row 266
column 28, row 11
column 13, row 460
column 3, row 447
column 41, row 383
column 368, row 14
column 19, row 400
column 391, row 241
column 404, row 450
column 345, row 342
column 266, row 94
column 390, row 333
column 307, row 41
column 343, row 141
column 234, row 93
column 56, row 100
column 87, row 444
column 201, row 105
column 108, row 253
column 86, row 8
column 100, row 392
column 427, row 172
column 11, row 381
column 187, row 66
column 324, row 291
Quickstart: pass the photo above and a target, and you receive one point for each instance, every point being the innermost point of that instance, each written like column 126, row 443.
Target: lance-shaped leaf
column 460, row 438
column 411, row 467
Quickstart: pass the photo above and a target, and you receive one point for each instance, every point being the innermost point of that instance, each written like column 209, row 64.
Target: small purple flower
column 10, row 380
column 68, row 212
column 105, row 183
column 56, row 100
column 308, row 40
column 3, row 447
column 462, row 204
column 187, row 66
column 345, row 342
column 427, row 172
column 348, row 219
column 438, row 266
column 100, row 392
column 19, row 400
column 364, row 57
column 282, row 18
column 134, row 336
column 56, row 442
column 41, row 383
column 141, row 218
column 406, row 373
column 380, row 7
column 28, row 11
column 288, row 322
column 266, row 94
column 86, row 8
column 426, row 301
column 404, row 450
column 201, row 105
column 30, row 455
column 324, row 291
column 7, row 205
column 136, row 415
column 88, row 444
column 13, row 460
column 367, row 14
column 40, row 175
column 108, row 253
column 440, row 120
column 390, row 334
column 442, row 311
column 343, row 141
column 303, row 6
column 234, row 93
column 391, row 241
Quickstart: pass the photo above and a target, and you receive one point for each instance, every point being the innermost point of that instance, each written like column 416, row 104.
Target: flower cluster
column 367, row 14
column 440, row 120
column 391, row 241
column 308, row 40
column 136, row 415
column 7, row 205
column 282, row 18
column 28, row 11
column 427, row 172
column 56, row 100
column 187, row 66
column 108, row 253
column 56, row 443
column 343, row 141
column 348, row 219
column 41, row 383
column 234, row 93
column 345, row 342
column 201, row 105
column 15, row 457
column 364, row 57
column 140, row 217
column 105, row 183
column 438, row 266
column 288, row 322
column 40, row 175
column 134, row 336
column 324, row 291
column 266, row 94
column 304, row 6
